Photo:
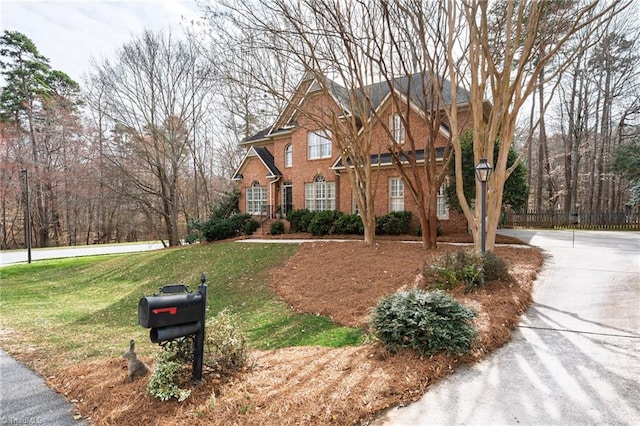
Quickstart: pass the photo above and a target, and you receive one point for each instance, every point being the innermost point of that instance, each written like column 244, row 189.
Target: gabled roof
column 265, row 135
column 265, row 157
column 412, row 85
column 385, row 159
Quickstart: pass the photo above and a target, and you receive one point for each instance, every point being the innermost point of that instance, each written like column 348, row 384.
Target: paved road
column 575, row 357
column 8, row 257
column 25, row 399
column 24, row 396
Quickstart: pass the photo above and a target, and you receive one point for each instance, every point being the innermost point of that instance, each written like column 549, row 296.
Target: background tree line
column 149, row 141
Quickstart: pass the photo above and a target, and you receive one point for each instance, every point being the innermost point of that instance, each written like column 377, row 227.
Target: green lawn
column 87, row 307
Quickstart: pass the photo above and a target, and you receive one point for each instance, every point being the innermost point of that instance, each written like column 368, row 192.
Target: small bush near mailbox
column 427, row 322
column 226, row 345
column 226, row 351
column 171, row 370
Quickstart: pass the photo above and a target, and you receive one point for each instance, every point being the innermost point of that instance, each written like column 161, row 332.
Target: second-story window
column 288, row 156
column 319, row 145
column 397, row 126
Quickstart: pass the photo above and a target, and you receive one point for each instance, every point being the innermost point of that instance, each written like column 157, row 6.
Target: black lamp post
column 483, row 171
column 27, row 215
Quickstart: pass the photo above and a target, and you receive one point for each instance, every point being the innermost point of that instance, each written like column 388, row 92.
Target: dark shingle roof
column 385, row 158
column 413, row 85
column 262, row 134
column 267, row 159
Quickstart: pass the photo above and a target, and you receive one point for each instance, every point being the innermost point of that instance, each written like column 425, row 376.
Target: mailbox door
column 169, row 309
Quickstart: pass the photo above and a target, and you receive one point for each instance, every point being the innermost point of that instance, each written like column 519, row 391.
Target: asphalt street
column 25, row 399
column 8, row 257
column 574, row 358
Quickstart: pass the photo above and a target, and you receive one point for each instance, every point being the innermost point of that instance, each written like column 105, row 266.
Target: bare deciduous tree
column 367, row 49
column 153, row 93
column 507, row 66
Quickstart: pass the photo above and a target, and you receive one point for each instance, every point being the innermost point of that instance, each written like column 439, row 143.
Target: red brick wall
column 304, row 170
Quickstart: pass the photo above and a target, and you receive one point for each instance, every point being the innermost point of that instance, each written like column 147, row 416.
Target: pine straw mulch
column 315, row 385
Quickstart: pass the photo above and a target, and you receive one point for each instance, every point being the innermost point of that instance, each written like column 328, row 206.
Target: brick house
column 293, row 164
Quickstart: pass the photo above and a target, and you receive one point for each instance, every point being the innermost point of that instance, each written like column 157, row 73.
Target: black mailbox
column 176, row 312
column 166, row 310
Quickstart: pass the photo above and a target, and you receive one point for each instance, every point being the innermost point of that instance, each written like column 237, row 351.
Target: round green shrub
column 394, row 223
column 220, row 229
column 300, row 219
column 349, row 224
column 251, row 226
column 495, row 268
column 276, row 227
column 323, row 222
column 427, row 322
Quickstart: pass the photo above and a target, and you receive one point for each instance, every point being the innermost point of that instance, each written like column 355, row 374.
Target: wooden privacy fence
column 583, row 220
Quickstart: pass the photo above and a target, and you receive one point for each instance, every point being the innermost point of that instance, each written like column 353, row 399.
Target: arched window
column 320, row 195
column 256, row 198
column 288, row 156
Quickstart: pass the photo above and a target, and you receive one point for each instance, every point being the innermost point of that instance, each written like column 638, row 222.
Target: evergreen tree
column 515, row 187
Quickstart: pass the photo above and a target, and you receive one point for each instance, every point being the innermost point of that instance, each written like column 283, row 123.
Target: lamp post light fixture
column 27, row 214
column 483, row 171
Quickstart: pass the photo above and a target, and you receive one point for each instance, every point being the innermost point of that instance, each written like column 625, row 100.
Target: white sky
column 70, row 32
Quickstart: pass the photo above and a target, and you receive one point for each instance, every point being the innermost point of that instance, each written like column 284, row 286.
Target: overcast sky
column 70, row 32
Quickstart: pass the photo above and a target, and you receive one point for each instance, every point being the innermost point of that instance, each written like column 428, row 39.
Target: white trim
column 321, row 136
column 395, row 199
column 441, row 202
column 262, row 200
column 288, row 155
column 251, row 152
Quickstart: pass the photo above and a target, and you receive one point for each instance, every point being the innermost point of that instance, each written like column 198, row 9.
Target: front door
column 287, row 198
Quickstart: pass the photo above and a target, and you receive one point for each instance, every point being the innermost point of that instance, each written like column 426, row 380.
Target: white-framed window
column 442, row 208
column 396, row 194
column 320, row 195
column 288, row 156
column 397, row 127
column 256, row 199
column 319, row 145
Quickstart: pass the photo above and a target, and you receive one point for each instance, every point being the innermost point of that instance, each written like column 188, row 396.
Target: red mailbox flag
column 171, row 310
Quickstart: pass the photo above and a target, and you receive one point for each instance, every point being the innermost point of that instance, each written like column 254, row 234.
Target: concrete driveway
column 575, row 357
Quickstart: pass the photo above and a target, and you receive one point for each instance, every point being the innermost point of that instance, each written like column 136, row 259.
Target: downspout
column 272, row 196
